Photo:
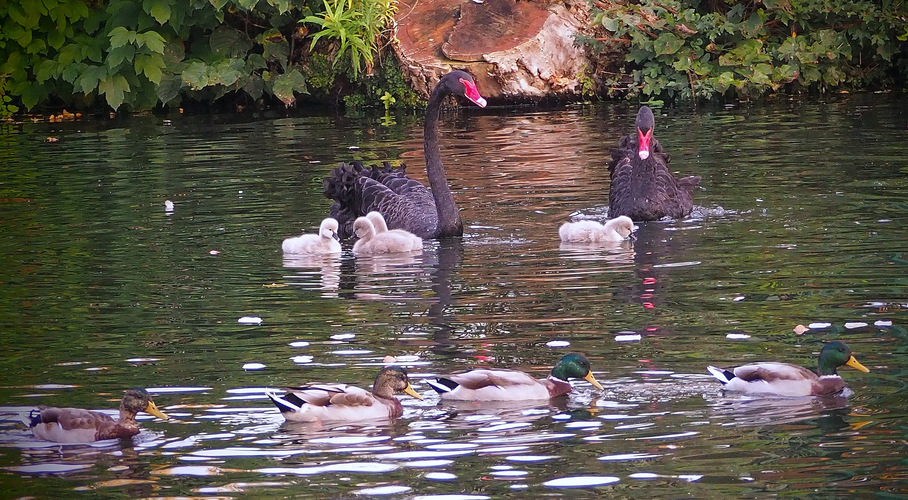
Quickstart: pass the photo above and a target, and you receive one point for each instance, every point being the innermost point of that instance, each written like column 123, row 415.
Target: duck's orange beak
column 857, row 366
column 409, row 390
column 152, row 409
column 591, row 379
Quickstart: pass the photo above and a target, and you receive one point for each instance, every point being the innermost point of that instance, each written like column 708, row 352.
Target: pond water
column 801, row 219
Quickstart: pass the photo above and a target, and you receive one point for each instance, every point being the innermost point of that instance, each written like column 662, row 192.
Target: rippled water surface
column 801, row 220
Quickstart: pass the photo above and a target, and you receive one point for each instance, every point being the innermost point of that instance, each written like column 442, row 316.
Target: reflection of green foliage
column 688, row 49
column 357, row 25
column 7, row 108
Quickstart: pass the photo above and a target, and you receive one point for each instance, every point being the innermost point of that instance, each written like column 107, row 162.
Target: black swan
column 642, row 187
column 404, row 202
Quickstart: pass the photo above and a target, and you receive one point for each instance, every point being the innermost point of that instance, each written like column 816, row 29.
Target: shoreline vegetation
column 127, row 56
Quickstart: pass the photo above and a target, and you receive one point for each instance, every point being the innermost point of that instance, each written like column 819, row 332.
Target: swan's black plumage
column 405, row 203
column 642, row 187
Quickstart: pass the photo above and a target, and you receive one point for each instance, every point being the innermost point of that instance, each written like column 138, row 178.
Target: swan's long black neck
column 449, row 223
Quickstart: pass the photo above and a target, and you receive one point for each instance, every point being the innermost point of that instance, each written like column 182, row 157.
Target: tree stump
column 516, row 50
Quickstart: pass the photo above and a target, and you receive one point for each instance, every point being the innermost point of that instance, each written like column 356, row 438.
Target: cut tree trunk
column 516, row 50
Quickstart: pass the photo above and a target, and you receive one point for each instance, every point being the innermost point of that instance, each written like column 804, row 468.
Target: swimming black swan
column 642, row 187
column 404, row 202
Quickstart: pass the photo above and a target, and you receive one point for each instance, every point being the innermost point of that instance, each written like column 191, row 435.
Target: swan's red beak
column 472, row 93
column 644, row 140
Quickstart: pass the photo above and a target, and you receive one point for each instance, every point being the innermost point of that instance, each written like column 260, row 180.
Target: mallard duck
column 318, row 402
column 783, row 379
column 483, row 384
column 75, row 425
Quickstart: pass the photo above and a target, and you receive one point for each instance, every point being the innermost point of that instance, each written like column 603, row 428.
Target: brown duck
column 75, row 425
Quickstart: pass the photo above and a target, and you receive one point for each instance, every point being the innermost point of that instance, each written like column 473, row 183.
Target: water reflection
column 136, row 298
column 828, row 413
column 325, row 268
column 612, row 252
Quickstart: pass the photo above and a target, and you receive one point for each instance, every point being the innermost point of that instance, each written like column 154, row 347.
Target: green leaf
column 726, row 79
column 121, row 36
column 30, row 93
column 282, row 6
column 69, row 54
column 667, row 44
column 229, row 42
column 762, row 73
column 254, row 86
column 17, row 14
column 785, row 73
column 36, row 46
column 196, row 75
column 287, row 84
column 277, row 51
column 56, row 38
column 114, row 88
column 153, row 40
column 72, row 71
column 611, row 24
column 116, row 56
column 226, row 72
column 159, row 10
column 169, row 88
column 151, row 65
column 752, row 25
column 88, row 80
column 46, row 70
column 255, row 62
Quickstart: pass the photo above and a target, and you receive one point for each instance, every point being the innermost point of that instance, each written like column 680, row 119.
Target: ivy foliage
column 692, row 49
column 138, row 54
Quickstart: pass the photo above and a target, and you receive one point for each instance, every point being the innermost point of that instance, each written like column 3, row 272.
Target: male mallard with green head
column 783, row 379
column 485, row 384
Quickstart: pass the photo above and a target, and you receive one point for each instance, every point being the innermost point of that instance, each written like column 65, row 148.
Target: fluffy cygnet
column 590, row 231
column 378, row 222
column 325, row 242
column 370, row 242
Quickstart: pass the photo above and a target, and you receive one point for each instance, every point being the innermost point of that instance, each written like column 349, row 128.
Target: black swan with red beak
column 642, row 187
column 405, row 203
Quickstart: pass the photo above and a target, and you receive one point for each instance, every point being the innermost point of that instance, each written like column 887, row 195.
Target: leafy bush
column 689, row 49
column 358, row 25
column 137, row 54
